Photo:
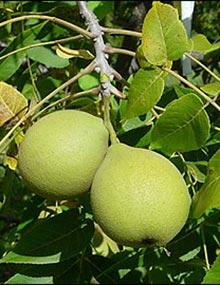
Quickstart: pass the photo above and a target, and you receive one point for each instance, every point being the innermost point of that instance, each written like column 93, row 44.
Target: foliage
column 43, row 241
column 205, row 19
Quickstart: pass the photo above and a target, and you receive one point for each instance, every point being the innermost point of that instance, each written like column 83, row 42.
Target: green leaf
column 184, row 126
column 214, row 140
column 213, row 51
column 195, row 171
column 52, row 240
column 163, row 34
column 24, row 279
column 47, row 57
column 141, row 58
column 133, row 124
column 145, row 91
column 101, row 8
column 181, row 91
column 208, row 196
column 11, row 64
column 213, row 276
column 108, row 270
column 200, row 43
column 72, row 271
column 212, row 89
column 88, row 81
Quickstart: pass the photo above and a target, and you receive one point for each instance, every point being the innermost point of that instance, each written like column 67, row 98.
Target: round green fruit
column 138, row 197
column 61, row 152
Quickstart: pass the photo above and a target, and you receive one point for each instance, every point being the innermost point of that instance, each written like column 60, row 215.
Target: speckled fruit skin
column 61, row 152
column 138, row 197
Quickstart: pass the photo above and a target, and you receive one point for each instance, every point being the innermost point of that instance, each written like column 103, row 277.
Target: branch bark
column 102, row 66
column 101, row 57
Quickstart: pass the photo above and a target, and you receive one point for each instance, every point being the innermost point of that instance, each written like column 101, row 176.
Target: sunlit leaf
column 184, row 126
column 11, row 162
column 88, row 81
column 12, row 103
column 213, row 276
column 64, row 52
column 19, row 137
column 102, row 244
column 200, row 43
column 163, row 34
column 208, row 196
column 141, row 58
column 145, row 91
column 25, row 279
column 75, row 270
column 212, row 89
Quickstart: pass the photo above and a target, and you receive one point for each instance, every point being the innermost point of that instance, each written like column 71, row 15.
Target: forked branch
column 102, row 66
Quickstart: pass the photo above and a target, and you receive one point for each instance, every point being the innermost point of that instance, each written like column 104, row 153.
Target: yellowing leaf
column 64, row 52
column 11, row 162
column 103, row 244
column 145, row 64
column 19, row 138
column 163, row 35
column 12, row 103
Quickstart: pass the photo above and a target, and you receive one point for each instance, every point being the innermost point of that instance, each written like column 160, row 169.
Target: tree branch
column 112, row 50
column 189, row 84
column 202, row 65
column 93, row 91
column 41, row 44
column 58, row 21
column 113, row 31
column 101, row 57
column 102, row 66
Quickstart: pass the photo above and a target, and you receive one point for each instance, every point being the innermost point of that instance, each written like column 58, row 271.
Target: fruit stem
column 107, row 120
column 205, row 247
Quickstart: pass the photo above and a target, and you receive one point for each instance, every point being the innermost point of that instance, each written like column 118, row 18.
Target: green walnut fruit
column 61, row 152
column 138, row 197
